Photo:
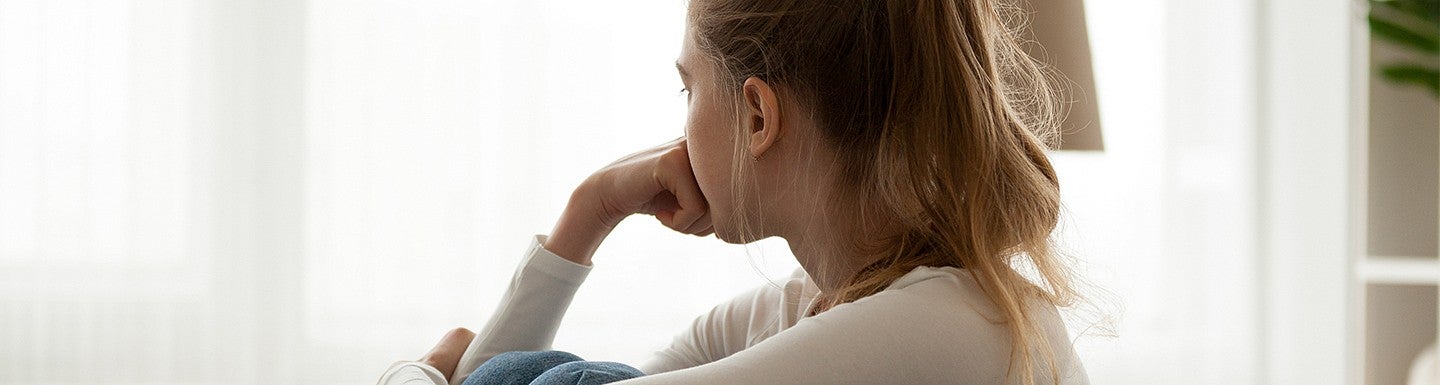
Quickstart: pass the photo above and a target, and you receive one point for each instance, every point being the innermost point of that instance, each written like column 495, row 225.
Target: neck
column 828, row 242
column 822, row 224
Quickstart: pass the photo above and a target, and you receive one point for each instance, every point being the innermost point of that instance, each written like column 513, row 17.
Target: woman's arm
column 580, row 229
column 657, row 181
column 530, row 312
column 526, row 319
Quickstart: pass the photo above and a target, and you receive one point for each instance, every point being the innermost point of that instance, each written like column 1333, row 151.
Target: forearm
column 581, row 228
column 530, row 312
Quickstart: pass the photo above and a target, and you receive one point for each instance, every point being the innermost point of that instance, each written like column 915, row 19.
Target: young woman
column 895, row 144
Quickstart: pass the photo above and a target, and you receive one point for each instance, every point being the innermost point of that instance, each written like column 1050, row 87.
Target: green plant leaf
column 1415, row 74
column 1401, row 35
column 1427, row 11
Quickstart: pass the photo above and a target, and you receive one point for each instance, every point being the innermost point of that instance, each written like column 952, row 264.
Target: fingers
column 701, row 228
column 674, row 175
column 445, row 356
column 700, row 224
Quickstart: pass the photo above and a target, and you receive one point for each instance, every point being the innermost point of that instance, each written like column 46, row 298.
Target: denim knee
column 587, row 373
column 517, row 368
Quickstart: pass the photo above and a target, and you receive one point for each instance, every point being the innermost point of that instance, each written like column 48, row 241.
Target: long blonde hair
column 937, row 115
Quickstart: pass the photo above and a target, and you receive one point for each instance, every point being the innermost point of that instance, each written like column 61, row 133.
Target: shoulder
column 931, row 314
column 737, row 324
column 930, row 326
column 766, row 309
column 943, row 321
column 934, row 300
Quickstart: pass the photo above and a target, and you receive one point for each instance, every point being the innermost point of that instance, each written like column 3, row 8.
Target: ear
column 762, row 117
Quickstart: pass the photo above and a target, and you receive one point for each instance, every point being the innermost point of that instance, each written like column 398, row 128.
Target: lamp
column 1061, row 40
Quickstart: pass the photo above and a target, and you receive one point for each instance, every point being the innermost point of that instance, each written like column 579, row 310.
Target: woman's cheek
column 709, row 161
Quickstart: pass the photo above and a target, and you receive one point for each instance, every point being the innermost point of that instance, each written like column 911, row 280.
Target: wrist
column 581, row 228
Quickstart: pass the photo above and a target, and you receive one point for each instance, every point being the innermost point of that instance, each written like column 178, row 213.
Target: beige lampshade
column 1062, row 41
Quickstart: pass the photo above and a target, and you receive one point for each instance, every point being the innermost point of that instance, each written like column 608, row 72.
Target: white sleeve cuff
column 540, row 260
column 411, row 373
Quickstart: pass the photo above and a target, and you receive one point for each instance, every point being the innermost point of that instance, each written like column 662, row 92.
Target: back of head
column 937, row 115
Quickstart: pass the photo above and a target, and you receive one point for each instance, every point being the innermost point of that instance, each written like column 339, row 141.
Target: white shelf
column 1399, row 270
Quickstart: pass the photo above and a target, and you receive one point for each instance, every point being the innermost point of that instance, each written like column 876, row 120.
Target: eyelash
column 683, row 92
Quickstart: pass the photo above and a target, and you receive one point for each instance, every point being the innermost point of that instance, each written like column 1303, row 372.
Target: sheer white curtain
column 276, row 191
column 1166, row 218
column 102, row 266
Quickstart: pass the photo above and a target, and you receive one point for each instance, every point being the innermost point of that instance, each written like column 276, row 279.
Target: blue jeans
column 548, row 368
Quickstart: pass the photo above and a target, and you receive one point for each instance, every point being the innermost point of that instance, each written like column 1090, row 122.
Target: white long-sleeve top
column 931, row 326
